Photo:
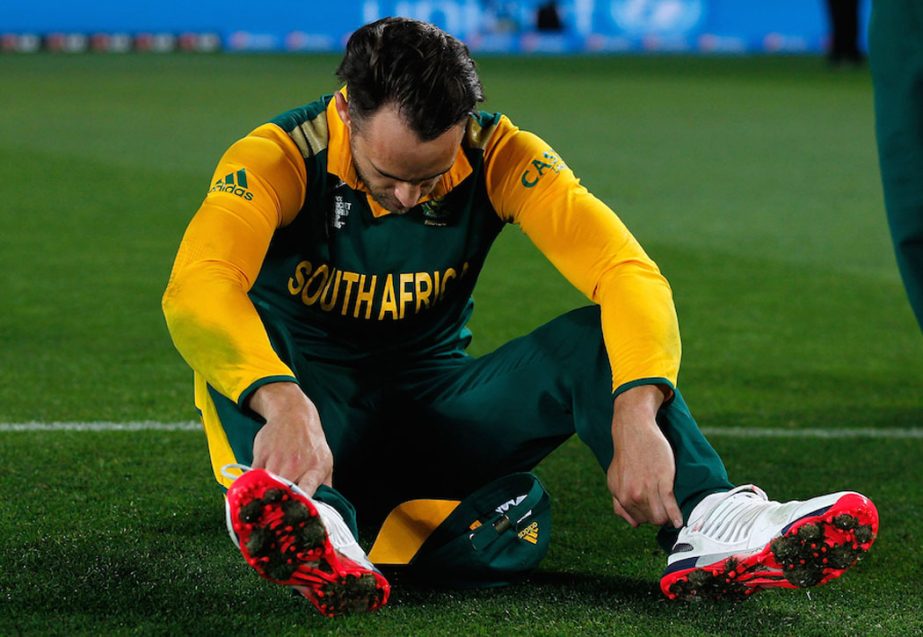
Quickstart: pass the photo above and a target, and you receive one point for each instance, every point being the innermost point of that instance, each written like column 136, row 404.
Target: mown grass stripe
column 101, row 426
column 730, row 432
column 857, row 432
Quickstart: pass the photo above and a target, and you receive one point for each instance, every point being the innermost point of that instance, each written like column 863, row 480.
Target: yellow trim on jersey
column 406, row 528
column 311, row 137
column 219, row 448
column 476, row 136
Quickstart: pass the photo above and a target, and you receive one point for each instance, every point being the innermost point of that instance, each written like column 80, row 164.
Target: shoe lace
column 227, row 473
column 733, row 518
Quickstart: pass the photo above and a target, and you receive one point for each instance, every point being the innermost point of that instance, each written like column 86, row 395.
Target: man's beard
column 386, row 200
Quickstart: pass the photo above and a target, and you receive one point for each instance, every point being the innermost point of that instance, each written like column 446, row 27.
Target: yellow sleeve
column 258, row 186
column 528, row 184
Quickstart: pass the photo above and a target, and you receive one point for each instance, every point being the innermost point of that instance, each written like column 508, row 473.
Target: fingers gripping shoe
column 738, row 543
column 292, row 540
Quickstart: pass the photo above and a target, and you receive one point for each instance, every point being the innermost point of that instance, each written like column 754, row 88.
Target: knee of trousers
column 574, row 342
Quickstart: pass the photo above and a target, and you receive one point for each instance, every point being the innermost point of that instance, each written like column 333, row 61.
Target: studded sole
column 282, row 537
column 812, row 551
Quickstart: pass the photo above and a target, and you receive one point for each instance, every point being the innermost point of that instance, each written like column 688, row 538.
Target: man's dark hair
column 426, row 73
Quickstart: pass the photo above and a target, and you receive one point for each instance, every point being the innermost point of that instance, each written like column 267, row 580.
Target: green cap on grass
column 495, row 535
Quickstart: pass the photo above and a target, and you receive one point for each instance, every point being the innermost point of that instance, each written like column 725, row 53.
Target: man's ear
column 343, row 108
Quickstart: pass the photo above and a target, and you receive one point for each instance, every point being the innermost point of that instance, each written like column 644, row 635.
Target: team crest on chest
column 434, row 213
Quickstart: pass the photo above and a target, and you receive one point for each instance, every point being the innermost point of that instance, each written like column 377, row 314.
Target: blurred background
column 500, row 26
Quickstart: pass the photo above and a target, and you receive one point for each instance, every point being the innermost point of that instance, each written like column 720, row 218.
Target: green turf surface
column 122, row 533
column 752, row 182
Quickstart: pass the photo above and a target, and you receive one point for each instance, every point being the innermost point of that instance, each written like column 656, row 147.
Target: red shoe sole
column 282, row 537
column 813, row 550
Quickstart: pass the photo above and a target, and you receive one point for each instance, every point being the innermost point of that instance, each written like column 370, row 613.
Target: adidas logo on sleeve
column 234, row 183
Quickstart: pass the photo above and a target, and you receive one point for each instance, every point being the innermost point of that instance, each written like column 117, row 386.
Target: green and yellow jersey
column 288, row 231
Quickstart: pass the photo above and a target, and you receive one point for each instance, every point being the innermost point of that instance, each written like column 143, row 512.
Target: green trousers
column 443, row 427
column 896, row 56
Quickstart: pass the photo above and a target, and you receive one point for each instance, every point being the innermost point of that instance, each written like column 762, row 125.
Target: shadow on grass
column 575, row 599
column 542, row 586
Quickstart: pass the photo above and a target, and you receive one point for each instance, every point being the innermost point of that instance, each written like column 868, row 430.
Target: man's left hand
column 640, row 477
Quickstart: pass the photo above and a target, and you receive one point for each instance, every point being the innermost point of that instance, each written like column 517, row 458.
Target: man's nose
column 408, row 194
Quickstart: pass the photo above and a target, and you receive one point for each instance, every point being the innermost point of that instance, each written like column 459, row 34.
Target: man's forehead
column 397, row 152
column 388, row 121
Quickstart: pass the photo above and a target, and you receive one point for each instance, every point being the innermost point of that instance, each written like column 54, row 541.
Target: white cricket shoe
column 294, row 540
column 739, row 542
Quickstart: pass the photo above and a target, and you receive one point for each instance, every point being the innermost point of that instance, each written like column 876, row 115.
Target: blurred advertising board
column 501, row 26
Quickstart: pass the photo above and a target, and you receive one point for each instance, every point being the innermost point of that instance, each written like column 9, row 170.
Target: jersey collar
column 340, row 163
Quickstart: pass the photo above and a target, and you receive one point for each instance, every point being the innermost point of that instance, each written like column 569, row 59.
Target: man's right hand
column 292, row 443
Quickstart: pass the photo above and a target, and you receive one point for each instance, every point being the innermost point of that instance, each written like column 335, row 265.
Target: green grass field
column 752, row 182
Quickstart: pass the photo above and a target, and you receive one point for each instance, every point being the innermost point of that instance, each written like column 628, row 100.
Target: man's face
column 395, row 165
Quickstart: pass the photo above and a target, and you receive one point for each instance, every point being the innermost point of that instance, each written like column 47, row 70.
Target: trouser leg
column 896, row 51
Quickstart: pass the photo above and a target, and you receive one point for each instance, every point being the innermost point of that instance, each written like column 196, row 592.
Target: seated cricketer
column 321, row 294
